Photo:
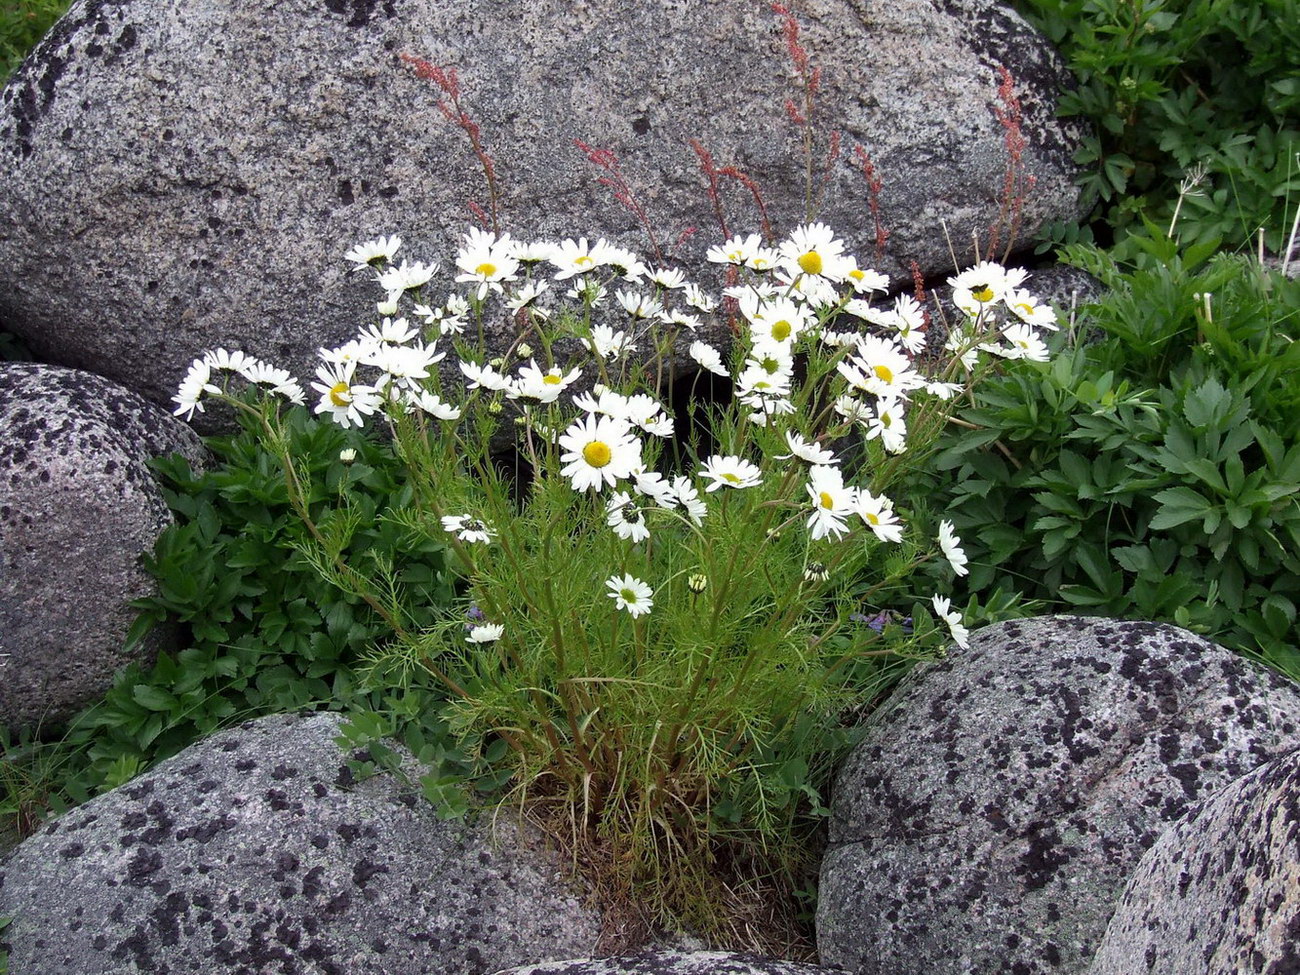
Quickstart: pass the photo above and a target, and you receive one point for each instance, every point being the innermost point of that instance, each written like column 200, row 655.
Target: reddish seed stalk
column 918, row 292
column 802, row 115
column 874, row 183
column 606, row 160
column 1016, row 184
column 449, row 84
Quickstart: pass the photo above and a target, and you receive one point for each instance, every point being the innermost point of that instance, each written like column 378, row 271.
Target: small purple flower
column 883, row 619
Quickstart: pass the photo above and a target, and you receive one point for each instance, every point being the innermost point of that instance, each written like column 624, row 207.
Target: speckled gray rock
column 78, row 506
column 1219, row 893
column 154, row 203
column 1003, row 796
column 254, row 851
column 674, row 963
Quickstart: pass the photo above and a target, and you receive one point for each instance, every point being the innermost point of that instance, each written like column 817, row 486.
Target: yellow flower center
column 982, row 293
column 883, row 373
column 552, row 380
column 771, row 366
column 857, row 274
column 1025, row 307
column 629, row 596
column 827, row 501
column 811, row 263
column 339, row 394
column 886, row 420
column 730, row 478
column 486, row 269
column 597, row 453
column 781, row 330
column 872, row 518
column 583, row 261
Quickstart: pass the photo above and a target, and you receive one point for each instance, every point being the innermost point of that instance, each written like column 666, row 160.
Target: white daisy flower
column 389, row 305
column 1029, row 309
column 485, row 633
column 347, row 403
column 812, row 249
column 878, row 513
column 801, row 448
column 1022, row 343
column 405, row 366
column 534, row 252
column 526, row 297
column 390, row 332
column 648, row 413
column 631, row 594
column 430, row 403
column 942, row 608
column 639, row 305
column 483, row 377
column 607, row 343
column 357, row 350
column 668, row 278
column 373, row 251
column 832, row 502
column 909, row 320
column 708, row 357
column 486, row 260
column 944, row 391
column 689, row 498
column 572, row 258
column 879, row 367
column 190, row 395
column 853, row 409
column 736, row 250
column 656, row 487
column 280, row 380
column 626, row 517
column 240, row 363
column 697, row 299
column 681, row 319
column 599, row 451
column 624, row 263
column 407, row 277
column 730, row 471
column 545, row 387
column 952, row 550
column 468, row 528
column 888, row 423
column 865, row 280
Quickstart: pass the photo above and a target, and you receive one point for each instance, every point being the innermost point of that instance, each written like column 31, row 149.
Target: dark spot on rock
column 363, row 870
column 72, row 850
column 641, row 125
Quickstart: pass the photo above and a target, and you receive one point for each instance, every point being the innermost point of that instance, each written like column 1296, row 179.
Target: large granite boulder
column 255, row 851
column 78, row 506
column 1003, row 796
column 1219, row 893
column 154, row 202
column 674, row 963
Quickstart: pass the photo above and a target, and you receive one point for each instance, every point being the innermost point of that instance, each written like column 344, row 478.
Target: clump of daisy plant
column 666, row 631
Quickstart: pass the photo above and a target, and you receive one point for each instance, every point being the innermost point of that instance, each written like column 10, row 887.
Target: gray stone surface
column 674, row 963
column 78, row 506
column 255, row 852
column 1219, row 893
column 1003, row 796
column 156, row 201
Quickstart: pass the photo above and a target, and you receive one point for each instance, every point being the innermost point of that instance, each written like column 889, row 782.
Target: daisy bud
column 525, row 350
column 816, row 572
column 347, row 455
column 697, row 583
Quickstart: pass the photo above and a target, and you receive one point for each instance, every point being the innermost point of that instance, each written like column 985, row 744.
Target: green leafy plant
column 261, row 631
column 1154, row 472
column 22, row 24
column 1170, row 85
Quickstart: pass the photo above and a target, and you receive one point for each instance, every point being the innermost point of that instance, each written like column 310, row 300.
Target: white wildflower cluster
column 804, row 297
column 998, row 315
column 205, row 378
